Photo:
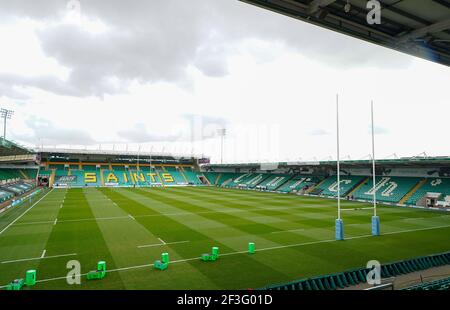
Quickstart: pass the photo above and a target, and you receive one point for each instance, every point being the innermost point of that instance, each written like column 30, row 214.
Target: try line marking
column 25, row 212
column 161, row 244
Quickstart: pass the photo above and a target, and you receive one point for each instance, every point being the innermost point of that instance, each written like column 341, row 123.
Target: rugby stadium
column 76, row 215
column 96, row 206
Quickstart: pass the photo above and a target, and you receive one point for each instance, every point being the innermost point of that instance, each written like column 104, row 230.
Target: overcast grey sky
column 165, row 74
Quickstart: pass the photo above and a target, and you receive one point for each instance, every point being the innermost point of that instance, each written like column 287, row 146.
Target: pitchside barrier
column 359, row 276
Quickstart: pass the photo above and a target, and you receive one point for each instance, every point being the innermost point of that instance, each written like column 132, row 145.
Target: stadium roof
column 407, row 161
column 10, row 148
column 419, row 28
column 114, row 153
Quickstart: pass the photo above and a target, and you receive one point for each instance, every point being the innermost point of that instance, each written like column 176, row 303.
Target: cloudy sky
column 166, row 74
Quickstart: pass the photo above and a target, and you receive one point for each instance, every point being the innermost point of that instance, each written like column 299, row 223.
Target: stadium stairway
column 388, row 189
column 296, row 183
column 23, row 174
column 358, row 186
column 130, row 173
column 182, row 172
column 412, row 191
column 217, row 178
column 282, row 183
column 52, row 178
column 274, row 181
column 212, row 177
column 318, row 185
column 347, row 183
column 102, row 177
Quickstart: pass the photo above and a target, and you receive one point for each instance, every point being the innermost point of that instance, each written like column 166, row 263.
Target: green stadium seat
column 431, row 185
column 329, row 186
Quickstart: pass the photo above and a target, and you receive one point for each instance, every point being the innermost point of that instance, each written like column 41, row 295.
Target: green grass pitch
column 130, row 228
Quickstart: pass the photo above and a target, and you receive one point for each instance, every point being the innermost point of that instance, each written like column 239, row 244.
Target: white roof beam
column 421, row 32
column 315, row 5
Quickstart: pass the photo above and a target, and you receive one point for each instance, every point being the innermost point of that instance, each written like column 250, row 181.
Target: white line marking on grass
column 413, row 230
column 243, row 252
column 283, row 231
column 56, row 220
column 161, row 240
column 43, row 253
column 131, row 217
column 33, row 223
column 357, row 209
column 9, row 225
column 37, row 258
column 159, row 244
column 75, row 220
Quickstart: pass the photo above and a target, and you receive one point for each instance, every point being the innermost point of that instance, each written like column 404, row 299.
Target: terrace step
column 412, row 191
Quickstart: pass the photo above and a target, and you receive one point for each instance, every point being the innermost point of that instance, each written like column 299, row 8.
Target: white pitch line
column 159, row 244
column 283, row 231
column 161, row 240
column 25, row 212
column 56, row 220
column 75, row 220
column 357, row 209
column 43, row 253
column 131, row 217
column 242, row 252
column 33, row 223
column 37, row 258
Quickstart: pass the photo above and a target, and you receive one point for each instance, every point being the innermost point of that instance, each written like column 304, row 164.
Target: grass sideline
column 130, row 228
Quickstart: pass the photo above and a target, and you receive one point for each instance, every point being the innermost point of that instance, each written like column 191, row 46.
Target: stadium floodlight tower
column 222, row 133
column 5, row 114
column 339, row 222
column 375, row 218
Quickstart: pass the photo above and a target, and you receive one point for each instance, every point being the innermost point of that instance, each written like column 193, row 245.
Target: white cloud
column 141, row 78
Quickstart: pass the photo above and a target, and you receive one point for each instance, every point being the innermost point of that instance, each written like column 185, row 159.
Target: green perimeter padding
column 356, row 276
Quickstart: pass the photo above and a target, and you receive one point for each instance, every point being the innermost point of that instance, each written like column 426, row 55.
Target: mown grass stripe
column 195, row 236
column 86, row 240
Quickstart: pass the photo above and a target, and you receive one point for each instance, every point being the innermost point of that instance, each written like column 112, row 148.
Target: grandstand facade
column 408, row 181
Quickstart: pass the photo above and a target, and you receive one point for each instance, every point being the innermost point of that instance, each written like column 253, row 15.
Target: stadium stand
column 227, row 178
column 4, row 195
column 273, row 181
column 14, row 175
column 212, row 177
column 241, row 180
column 431, row 185
column 347, row 183
column 173, row 176
column 298, row 183
column 193, row 177
column 122, row 175
column 388, row 189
